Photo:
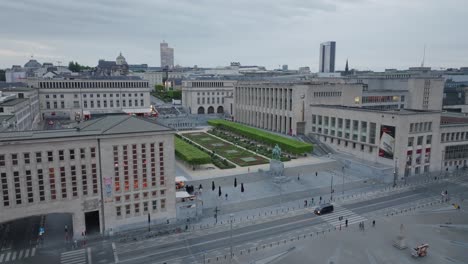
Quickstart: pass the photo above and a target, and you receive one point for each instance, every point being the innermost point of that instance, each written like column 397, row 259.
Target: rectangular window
column 61, row 155
column 38, row 157
column 40, row 181
column 2, row 160
column 118, row 211
column 428, row 139
column 137, row 208
column 410, row 141
column 163, row 203
column 145, row 207
column 72, row 154
column 127, row 209
column 26, row 158
column 14, row 159
column 154, row 205
column 420, row 140
column 93, row 152
column 82, row 153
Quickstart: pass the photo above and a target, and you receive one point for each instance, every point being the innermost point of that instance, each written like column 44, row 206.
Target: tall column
column 78, row 224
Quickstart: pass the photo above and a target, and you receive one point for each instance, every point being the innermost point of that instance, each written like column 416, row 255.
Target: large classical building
column 281, row 106
column 72, row 98
column 116, row 171
column 208, row 96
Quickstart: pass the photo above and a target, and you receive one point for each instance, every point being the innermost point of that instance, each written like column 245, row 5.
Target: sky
column 371, row 34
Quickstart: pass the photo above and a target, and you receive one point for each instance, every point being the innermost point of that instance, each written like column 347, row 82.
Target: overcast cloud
column 373, row 34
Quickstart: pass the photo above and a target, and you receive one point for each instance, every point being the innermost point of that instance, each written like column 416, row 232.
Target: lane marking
column 33, row 252
column 89, row 256
column 1, row 257
column 26, row 254
column 116, row 257
column 74, row 252
column 14, row 256
column 7, row 257
column 20, row 255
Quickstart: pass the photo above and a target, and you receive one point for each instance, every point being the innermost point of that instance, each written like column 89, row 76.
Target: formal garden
column 258, row 140
column 227, row 150
column 194, row 155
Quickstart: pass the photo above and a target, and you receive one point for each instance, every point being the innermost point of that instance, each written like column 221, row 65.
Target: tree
column 219, row 191
column 2, row 76
column 235, row 182
column 212, row 186
column 76, row 67
column 242, row 187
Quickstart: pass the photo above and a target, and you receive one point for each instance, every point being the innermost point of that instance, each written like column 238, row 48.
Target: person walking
column 316, row 174
column 346, row 223
column 226, row 195
column 305, row 203
column 373, row 223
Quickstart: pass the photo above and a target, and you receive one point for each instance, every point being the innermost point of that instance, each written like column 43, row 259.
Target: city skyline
column 261, row 34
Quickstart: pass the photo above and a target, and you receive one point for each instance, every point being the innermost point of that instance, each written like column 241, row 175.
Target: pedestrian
column 226, row 195
column 305, row 203
column 312, row 202
column 346, row 223
column 316, row 174
column 320, row 199
column 373, row 223
column 298, row 178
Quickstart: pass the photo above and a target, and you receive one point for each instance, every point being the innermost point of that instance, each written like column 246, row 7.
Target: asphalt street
column 192, row 246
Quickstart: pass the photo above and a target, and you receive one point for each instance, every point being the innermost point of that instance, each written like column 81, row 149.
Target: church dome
column 120, row 60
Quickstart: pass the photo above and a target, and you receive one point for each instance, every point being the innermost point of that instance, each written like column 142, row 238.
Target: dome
column 120, row 60
column 32, row 64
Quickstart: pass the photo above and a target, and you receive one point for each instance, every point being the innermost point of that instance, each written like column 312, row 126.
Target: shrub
column 289, row 145
column 189, row 153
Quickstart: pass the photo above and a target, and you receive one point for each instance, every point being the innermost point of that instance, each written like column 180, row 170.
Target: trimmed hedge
column 289, row 145
column 189, row 153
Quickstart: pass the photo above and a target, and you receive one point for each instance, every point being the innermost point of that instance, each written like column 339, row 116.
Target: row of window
column 277, row 98
column 136, row 209
column 137, row 196
column 213, row 93
column 327, row 94
column 420, row 127
column 47, row 156
column 208, row 100
column 207, row 84
column 382, row 99
column 52, row 184
column 98, row 95
column 454, row 136
column 346, row 144
column 334, row 127
column 419, row 140
column 88, row 84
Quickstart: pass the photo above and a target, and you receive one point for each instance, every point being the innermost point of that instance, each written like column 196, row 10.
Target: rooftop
column 390, row 111
column 15, row 85
column 108, row 125
column 5, row 118
column 14, row 102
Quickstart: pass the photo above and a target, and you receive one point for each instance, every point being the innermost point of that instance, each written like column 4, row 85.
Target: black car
column 324, row 209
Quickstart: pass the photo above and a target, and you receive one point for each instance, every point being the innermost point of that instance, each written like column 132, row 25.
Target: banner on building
column 387, row 142
column 108, row 189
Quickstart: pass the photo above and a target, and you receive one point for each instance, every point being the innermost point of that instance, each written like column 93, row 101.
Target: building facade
column 281, row 107
column 327, row 56
column 72, row 97
column 21, row 105
column 116, row 170
column 408, row 140
column 206, row 96
column 167, row 56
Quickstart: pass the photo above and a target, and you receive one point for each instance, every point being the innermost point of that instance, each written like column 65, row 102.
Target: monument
column 277, row 166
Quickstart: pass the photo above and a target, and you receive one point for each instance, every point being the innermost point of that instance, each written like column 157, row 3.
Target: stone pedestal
column 276, row 168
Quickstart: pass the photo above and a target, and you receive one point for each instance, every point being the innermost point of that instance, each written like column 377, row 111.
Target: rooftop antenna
column 424, row 56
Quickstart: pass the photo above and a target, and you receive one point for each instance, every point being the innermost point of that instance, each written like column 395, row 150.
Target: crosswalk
column 74, row 257
column 15, row 255
column 334, row 218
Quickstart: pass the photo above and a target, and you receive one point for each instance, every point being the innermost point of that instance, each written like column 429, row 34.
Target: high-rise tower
column 327, row 56
column 167, row 56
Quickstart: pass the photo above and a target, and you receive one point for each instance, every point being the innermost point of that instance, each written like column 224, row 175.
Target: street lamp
column 231, row 216
column 342, row 171
column 395, row 173
column 331, row 187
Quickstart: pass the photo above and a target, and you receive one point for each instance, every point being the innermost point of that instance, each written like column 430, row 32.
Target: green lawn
column 189, row 153
column 229, row 151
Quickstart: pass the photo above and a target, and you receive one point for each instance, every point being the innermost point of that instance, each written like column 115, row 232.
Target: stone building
column 116, row 171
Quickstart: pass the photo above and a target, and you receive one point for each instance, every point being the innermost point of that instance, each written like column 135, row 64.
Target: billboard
column 387, row 142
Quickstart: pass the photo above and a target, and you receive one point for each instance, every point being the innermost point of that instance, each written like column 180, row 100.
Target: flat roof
column 13, row 102
column 5, row 118
column 395, row 111
column 107, row 125
column 16, row 89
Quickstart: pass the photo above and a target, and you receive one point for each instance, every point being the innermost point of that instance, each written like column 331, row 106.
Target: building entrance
column 92, row 222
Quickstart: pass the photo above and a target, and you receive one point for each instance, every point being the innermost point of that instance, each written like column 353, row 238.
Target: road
column 148, row 252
